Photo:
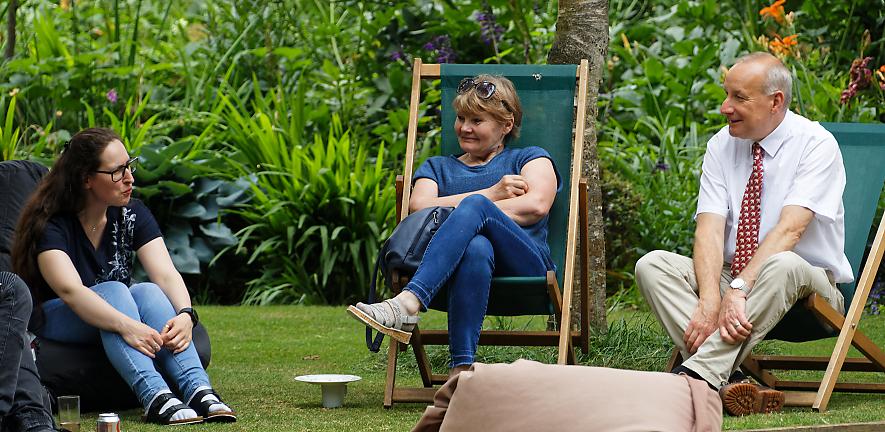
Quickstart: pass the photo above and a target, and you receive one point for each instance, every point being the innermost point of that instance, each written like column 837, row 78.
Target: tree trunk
column 582, row 33
column 10, row 29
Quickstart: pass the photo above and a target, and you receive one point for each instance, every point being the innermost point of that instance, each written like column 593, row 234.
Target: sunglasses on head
column 483, row 89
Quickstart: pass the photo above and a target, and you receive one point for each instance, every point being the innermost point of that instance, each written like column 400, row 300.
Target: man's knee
column 650, row 266
column 782, row 262
column 16, row 291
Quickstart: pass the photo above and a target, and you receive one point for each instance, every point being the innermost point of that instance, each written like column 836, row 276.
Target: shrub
column 319, row 210
column 622, row 207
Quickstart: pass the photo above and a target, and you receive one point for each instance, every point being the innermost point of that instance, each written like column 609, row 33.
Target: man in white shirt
column 770, row 232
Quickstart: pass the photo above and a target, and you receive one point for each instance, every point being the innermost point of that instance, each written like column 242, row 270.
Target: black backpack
column 402, row 253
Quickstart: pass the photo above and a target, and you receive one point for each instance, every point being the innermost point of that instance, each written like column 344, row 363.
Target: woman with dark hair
column 74, row 247
column 502, row 197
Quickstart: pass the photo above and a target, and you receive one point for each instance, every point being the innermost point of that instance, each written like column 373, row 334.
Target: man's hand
column 703, row 323
column 733, row 324
column 177, row 333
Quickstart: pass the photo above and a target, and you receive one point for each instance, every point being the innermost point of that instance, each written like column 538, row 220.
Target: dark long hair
column 60, row 192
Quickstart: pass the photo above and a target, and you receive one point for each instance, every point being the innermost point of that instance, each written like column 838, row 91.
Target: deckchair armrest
column 400, row 181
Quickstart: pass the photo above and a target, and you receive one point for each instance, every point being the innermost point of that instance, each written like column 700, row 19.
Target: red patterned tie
column 748, row 223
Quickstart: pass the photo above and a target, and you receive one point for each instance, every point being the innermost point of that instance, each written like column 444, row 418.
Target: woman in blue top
column 74, row 247
column 501, row 197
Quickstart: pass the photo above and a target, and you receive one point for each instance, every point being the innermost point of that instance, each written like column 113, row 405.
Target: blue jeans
column 476, row 242
column 22, row 405
column 144, row 302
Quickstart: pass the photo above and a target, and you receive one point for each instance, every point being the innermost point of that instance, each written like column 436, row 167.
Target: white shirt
column 802, row 165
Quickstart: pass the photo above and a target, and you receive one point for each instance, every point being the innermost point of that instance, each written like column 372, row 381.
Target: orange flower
column 880, row 75
column 781, row 46
column 776, row 11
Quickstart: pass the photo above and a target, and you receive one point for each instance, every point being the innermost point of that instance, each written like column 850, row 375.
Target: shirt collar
column 775, row 140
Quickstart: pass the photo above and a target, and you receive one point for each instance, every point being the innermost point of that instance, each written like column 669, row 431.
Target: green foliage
column 320, row 209
column 621, row 211
column 9, row 133
column 654, row 121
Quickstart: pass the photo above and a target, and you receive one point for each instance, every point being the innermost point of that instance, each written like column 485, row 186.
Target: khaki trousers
column 667, row 280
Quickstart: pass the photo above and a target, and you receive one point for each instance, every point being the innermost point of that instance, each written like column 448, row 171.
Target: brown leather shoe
column 744, row 398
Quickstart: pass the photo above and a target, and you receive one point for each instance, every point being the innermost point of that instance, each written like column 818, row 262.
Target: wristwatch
column 740, row 284
column 190, row 311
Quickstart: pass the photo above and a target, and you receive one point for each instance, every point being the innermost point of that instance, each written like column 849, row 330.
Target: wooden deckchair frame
column 816, row 394
column 564, row 338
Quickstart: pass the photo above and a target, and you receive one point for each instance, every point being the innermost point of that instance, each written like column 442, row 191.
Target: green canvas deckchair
column 863, row 153
column 553, row 118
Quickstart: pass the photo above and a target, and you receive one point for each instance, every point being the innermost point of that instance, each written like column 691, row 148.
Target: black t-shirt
column 128, row 229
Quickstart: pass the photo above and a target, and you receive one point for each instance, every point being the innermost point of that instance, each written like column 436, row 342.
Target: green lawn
column 257, row 351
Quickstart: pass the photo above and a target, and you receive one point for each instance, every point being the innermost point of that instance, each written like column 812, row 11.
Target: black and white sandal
column 154, row 415
column 201, row 404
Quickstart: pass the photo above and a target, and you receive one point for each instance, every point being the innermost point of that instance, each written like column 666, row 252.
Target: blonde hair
column 503, row 106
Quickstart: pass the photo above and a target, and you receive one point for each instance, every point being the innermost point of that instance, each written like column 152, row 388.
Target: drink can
column 108, row 422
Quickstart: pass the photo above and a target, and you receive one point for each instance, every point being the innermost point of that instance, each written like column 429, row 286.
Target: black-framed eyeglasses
column 120, row 172
column 484, row 89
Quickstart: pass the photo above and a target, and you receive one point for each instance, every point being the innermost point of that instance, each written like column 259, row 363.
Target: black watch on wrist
column 193, row 314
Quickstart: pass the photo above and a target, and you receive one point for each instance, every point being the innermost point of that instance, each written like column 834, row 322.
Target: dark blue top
column 453, row 177
column 128, row 229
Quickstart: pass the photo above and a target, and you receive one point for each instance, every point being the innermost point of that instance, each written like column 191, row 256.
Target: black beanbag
column 84, row 370
column 17, row 181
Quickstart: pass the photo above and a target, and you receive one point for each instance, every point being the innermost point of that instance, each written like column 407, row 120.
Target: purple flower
column 489, row 30
column 446, row 55
column 861, row 77
column 662, row 166
column 112, row 96
column 397, row 55
column 874, row 300
column 443, row 47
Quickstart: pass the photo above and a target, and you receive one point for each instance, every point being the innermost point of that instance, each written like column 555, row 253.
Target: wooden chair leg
column 584, row 260
column 675, row 360
column 392, row 353
column 421, row 359
column 852, row 318
column 752, row 367
column 828, row 383
column 556, row 300
column 572, row 359
column 834, row 319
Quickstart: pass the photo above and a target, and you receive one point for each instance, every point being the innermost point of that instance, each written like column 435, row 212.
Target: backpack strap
column 374, row 345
